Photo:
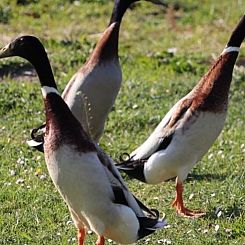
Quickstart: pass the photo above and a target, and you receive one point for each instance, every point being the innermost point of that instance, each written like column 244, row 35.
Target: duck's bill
column 5, row 52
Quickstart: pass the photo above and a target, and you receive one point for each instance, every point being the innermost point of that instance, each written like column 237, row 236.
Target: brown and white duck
column 189, row 129
column 85, row 176
column 91, row 92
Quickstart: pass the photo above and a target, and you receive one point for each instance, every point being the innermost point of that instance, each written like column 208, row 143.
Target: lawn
column 31, row 210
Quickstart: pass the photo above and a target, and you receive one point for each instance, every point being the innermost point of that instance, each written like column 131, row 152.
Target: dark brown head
column 31, row 49
column 24, row 47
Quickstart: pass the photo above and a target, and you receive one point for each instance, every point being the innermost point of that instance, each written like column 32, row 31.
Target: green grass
column 31, row 210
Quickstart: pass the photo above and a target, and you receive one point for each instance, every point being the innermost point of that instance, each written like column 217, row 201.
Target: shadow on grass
column 191, row 177
column 229, row 213
column 206, row 176
column 17, row 70
column 194, row 176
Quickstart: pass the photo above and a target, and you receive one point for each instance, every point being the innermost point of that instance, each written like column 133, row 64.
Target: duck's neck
column 55, row 107
column 62, row 127
column 54, row 104
column 44, row 71
column 49, row 90
column 107, row 47
column 213, row 89
column 119, row 10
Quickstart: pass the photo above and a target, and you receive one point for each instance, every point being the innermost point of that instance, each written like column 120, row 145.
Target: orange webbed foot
column 185, row 212
column 179, row 204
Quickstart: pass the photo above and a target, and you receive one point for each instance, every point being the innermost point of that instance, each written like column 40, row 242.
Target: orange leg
column 179, row 204
column 100, row 241
column 81, row 236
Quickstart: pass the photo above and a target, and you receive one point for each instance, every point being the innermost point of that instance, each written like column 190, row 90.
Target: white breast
column 190, row 142
column 93, row 94
column 83, row 184
column 80, row 179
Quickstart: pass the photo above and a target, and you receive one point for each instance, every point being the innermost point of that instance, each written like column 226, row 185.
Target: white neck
column 230, row 49
column 47, row 90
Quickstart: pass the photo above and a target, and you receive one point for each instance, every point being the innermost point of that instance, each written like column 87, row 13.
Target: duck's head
column 24, row 46
column 31, row 49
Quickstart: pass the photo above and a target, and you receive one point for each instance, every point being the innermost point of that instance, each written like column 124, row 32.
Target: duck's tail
column 37, row 138
column 148, row 225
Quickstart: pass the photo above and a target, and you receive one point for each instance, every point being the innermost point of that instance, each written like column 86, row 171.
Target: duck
column 92, row 91
column 188, row 130
column 85, row 176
